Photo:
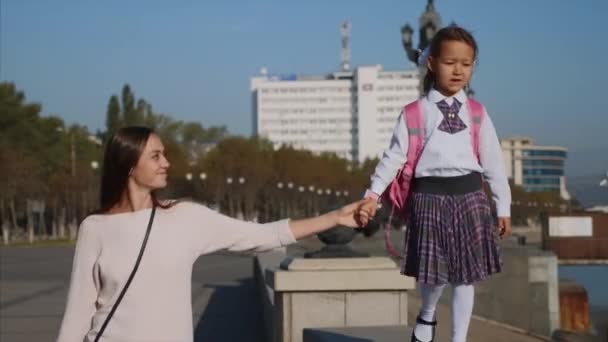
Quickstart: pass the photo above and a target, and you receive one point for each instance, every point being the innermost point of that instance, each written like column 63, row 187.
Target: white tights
column 462, row 309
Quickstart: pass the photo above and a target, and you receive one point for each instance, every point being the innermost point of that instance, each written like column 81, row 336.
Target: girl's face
column 453, row 67
column 151, row 169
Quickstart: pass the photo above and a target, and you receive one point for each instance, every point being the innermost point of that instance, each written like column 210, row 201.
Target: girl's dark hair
column 451, row 32
column 123, row 150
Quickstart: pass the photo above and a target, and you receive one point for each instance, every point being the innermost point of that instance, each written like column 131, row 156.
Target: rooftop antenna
column 345, row 32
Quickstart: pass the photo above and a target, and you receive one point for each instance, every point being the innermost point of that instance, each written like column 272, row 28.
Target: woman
column 157, row 305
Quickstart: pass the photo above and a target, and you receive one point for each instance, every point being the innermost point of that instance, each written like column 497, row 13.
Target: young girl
column 451, row 236
column 157, row 305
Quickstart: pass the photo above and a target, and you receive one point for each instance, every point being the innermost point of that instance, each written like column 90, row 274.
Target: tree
column 129, row 113
column 37, row 158
column 140, row 112
column 113, row 116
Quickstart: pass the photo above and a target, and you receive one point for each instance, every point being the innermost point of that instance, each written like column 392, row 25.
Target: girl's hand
column 367, row 211
column 504, row 226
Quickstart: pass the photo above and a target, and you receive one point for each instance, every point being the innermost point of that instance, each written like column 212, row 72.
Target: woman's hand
column 349, row 215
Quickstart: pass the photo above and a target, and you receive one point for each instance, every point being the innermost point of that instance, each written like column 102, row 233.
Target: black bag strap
column 124, row 289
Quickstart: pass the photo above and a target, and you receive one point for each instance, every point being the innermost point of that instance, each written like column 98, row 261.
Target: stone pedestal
column 340, row 292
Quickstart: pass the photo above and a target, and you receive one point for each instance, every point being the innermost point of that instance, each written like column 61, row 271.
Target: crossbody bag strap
column 124, row 289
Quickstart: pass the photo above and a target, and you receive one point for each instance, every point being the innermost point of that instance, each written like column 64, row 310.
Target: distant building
column 350, row 113
column 535, row 167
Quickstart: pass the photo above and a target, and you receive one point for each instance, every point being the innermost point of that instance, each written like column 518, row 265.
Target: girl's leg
column 462, row 309
column 430, row 296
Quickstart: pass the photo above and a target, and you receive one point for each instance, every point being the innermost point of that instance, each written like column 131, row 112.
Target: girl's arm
column 392, row 160
column 490, row 154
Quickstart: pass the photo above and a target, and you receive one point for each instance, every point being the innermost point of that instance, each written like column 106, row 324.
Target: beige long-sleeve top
column 157, row 305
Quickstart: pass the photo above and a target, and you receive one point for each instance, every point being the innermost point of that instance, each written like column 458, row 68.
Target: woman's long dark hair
column 451, row 32
column 123, row 150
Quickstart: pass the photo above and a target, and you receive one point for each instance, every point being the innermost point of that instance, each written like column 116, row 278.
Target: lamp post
column 406, row 40
column 430, row 22
column 241, row 212
column 229, row 182
column 311, row 201
column 281, row 199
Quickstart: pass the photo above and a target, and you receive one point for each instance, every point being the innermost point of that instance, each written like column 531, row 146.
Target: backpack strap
column 476, row 116
column 415, row 131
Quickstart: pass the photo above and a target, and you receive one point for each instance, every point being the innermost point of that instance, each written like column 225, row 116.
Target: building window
column 544, row 153
column 537, row 162
column 543, row 172
column 541, row 181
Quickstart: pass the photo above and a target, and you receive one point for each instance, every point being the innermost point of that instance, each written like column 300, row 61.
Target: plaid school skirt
column 451, row 236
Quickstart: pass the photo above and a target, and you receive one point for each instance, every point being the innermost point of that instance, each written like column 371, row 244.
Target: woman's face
column 151, row 169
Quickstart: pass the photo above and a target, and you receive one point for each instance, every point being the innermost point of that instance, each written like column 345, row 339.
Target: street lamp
column 202, row 176
column 94, row 165
column 241, row 180
column 406, row 39
column 280, row 185
column 189, row 176
column 229, row 180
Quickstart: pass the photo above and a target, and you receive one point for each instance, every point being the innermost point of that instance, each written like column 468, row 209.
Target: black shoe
column 421, row 321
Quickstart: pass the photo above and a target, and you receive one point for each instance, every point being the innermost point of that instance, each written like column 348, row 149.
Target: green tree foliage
column 113, row 115
column 42, row 160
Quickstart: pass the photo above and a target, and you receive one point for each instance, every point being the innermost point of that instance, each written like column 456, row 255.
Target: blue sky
column 542, row 68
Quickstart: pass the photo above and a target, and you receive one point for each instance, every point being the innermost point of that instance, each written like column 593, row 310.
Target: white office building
column 350, row 113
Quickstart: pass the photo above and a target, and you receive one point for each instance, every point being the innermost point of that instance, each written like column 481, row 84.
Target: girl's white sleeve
column 490, row 155
column 393, row 158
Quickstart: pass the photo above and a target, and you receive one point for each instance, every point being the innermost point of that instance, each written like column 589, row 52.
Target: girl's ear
column 429, row 63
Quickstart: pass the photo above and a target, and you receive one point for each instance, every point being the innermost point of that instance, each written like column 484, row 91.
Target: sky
column 541, row 73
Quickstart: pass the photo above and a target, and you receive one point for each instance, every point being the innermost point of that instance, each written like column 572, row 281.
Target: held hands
column 366, row 211
column 353, row 215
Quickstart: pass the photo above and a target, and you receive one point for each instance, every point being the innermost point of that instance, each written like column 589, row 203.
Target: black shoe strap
column 421, row 321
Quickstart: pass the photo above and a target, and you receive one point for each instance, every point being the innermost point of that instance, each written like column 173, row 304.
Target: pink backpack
column 398, row 191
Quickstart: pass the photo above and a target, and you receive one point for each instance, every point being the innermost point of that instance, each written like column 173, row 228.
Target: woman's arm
column 346, row 216
column 83, row 289
column 213, row 231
